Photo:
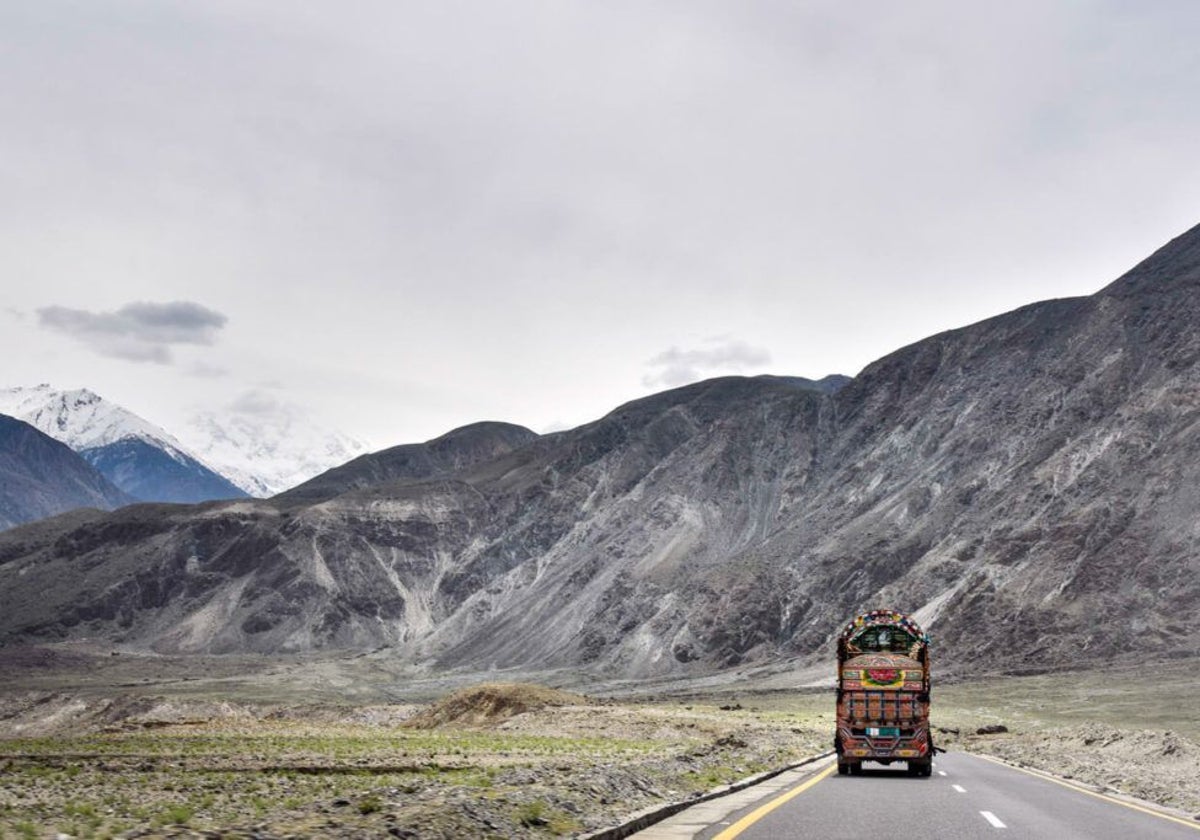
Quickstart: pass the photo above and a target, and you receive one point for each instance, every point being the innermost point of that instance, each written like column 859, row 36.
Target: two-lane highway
column 967, row 797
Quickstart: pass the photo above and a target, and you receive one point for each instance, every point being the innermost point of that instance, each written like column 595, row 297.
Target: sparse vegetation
column 177, row 815
column 531, row 814
column 547, row 770
column 369, row 805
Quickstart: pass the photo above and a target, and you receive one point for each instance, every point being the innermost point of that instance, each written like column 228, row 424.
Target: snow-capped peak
column 83, row 419
column 265, row 446
column 260, row 444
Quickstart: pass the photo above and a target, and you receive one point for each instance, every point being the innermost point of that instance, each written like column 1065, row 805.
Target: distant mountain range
column 1028, row 486
column 228, row 456
column 41, row 477
column 141, row 459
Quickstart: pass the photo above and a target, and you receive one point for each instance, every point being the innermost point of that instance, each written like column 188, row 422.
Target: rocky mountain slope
column 1027, row 485
column 41, row 477
column 135, row 455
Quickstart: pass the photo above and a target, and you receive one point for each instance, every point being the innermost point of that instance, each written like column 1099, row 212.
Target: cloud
column 257, row 403
column 721, row 355
column 140, row 331
column 204, row 370
column 14, row 313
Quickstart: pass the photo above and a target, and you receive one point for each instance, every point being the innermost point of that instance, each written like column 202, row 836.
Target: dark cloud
column 720, row 355
column 140, row 331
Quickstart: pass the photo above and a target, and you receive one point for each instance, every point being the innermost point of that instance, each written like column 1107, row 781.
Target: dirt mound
column 51, row 714
column 491, row 704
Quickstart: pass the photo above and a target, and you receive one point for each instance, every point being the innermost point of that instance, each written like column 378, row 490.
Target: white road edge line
column 993, row 819
column 1127, row 802
column 941, row 772
column 959, row 788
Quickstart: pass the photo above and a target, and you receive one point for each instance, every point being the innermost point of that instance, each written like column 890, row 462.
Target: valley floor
column 95, row 746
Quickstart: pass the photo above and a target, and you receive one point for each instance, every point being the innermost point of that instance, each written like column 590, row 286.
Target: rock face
column 1029, row 486
column 41, row 477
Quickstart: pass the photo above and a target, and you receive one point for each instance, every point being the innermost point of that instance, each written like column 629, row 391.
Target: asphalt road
column 967, row 797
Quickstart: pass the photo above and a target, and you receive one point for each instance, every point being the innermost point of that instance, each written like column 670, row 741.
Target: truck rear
column 883, row 694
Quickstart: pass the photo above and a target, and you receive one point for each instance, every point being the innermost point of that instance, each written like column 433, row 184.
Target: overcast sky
column 404, row 217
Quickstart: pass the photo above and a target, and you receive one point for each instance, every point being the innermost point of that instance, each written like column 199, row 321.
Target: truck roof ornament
column 888, row 618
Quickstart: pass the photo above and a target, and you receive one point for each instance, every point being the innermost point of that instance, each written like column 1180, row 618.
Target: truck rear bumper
column 859, row 746
column 884, row 752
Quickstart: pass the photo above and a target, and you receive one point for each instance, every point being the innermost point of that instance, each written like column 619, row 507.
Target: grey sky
column 418, row 215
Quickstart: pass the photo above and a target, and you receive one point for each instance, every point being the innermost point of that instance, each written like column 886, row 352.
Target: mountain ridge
column 446, row 453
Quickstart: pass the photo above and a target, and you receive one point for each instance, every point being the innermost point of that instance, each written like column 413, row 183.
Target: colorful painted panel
column 885, row 617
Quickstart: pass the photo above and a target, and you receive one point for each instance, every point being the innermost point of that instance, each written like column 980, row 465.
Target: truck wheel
column 843, row 769
column 920, row 768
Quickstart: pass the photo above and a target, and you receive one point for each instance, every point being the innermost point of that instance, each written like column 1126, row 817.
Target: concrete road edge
column 657, row 813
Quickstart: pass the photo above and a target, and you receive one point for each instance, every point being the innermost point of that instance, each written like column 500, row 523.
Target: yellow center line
column 757, row 814
column 1048, row 778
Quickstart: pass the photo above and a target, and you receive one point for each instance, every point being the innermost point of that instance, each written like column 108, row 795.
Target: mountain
column 268, row 450
column 41, row 477
column 826, row 385
column 1029, row 486
column 454, row 451
column 138, row 457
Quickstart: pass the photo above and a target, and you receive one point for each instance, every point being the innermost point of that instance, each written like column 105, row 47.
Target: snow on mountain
column 138, row 457
column 259, row 444
column 84, row 420
column 266, row 447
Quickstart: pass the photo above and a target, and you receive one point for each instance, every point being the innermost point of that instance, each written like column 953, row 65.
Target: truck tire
column 843, row 769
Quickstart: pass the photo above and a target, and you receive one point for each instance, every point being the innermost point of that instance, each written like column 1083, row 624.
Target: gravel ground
column 1156, row 765
column 163, row 767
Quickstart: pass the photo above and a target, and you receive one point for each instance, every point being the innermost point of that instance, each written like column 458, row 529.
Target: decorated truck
column 883, row 694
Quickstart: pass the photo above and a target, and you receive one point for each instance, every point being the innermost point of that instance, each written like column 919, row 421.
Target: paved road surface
column 967, row 797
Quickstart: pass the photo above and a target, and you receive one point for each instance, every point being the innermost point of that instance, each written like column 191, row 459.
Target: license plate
column 886, row 731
